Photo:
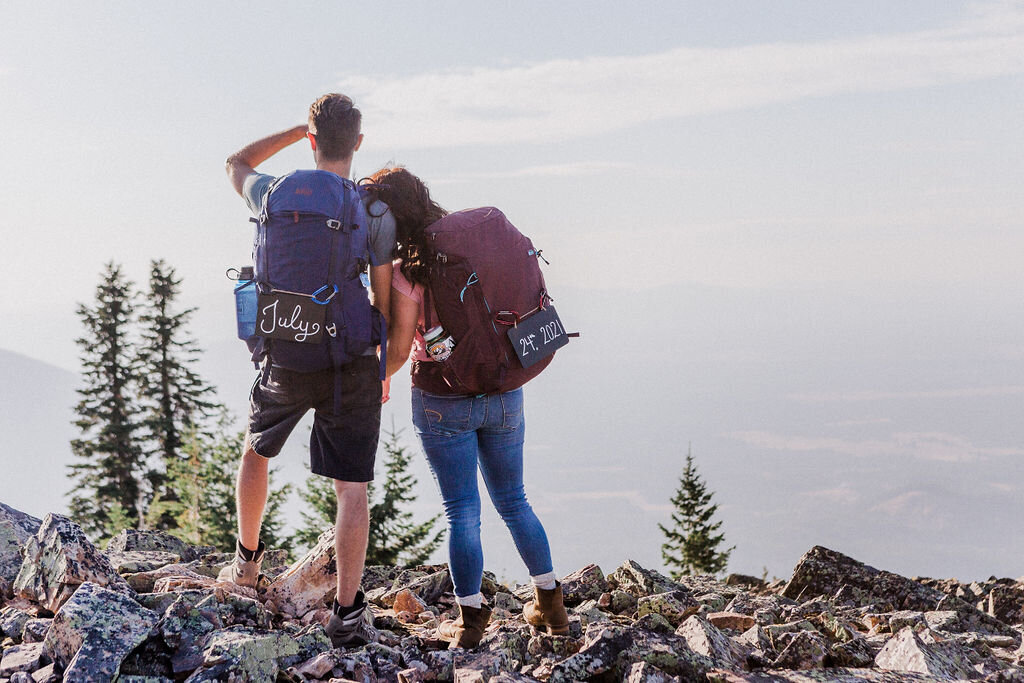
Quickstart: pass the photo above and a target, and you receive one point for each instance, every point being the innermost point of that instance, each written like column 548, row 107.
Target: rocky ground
column 149, row 609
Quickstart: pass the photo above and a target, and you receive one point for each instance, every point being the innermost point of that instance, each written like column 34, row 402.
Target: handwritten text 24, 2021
column 538, row 336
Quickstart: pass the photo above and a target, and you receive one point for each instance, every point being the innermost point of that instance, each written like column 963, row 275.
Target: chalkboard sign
column 292, row 317
column 538, row 336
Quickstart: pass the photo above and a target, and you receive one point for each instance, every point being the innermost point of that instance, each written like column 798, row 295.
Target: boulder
column 908, row 652
column 309, row 583
column 705, row 639
column 58, row 559
column 824, row 572
column 137, row 540
column 95, row 630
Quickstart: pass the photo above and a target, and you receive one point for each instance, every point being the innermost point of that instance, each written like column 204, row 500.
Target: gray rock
column 633, row 578
column 906, row 651
column 820, row 676
column 25, row 525
column 12, row 622
column 95, row 630
column 251, row 653
column 805, row 650
column 675, row 606
column 612, row 651
column 137, row 540
column 35, row 630
column 704, row 638
column 823, row 572
column 308, row 584
column 587, row 583
column 10, row 551
column 134, row 561
column 21, row 658
column 58, row 559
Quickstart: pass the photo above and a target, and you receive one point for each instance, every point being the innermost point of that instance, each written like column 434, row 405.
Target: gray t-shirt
column 380, row 221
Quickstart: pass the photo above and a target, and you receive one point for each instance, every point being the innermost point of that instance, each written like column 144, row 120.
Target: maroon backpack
column 488, row 291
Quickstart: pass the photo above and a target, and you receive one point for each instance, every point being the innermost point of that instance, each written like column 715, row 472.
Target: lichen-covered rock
column 587, row 583
column 633, row 578
column 35, row 630
column 427, row 586
column 21, row 658
column 12, row 622
column 134, row 561
column 58, row 559
column 10, row 551
column 705, row 639
column 25, row 525
column 309, row 583
column 906, row 651
column 675, row 606
column 612, row 651
column 820, row 676
column 804, row 650
column 642, row 672
column 823, row 572
column 132, row 540
column 251, row 654
column 95, row 630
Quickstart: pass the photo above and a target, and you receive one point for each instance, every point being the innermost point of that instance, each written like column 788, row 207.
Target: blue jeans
column 458, row 434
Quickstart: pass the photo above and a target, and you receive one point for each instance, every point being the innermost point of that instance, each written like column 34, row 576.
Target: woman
column 460, row 433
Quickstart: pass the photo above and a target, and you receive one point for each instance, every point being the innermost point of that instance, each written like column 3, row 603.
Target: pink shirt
column 414, row 292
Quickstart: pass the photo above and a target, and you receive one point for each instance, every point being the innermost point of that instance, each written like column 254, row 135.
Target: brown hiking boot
column 468, row 629
column 547, row 611
column 241, row 571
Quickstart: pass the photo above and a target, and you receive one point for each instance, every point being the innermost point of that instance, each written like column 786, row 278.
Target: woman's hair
column 409, row 201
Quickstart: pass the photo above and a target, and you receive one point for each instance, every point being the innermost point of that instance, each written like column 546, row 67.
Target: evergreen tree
column 203, row 486
column 175, row 398
column 394, row 538
column 108, row 472
column 692, row 542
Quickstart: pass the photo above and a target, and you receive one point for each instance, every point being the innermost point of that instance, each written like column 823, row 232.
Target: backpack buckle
column 333, row 224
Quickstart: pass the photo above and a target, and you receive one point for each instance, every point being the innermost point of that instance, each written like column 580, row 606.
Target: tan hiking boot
column 468, row 629
column 547, row 611
column 350, row 626
column 241, row 571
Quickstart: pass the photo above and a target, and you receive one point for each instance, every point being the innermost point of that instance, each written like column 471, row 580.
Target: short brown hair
column 335, row 122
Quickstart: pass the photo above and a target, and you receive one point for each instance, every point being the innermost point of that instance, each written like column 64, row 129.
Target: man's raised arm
column 244, row 161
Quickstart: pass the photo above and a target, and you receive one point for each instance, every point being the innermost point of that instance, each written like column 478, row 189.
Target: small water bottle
column 245, row 303
column 439, row 343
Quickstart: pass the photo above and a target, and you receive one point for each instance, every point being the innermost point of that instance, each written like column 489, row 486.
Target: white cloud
column 928, row 446
column 568, row 98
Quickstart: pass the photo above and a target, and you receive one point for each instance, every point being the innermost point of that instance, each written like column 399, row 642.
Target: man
column 344, row 438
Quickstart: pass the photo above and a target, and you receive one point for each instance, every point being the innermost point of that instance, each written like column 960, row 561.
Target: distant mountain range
column 36, row 409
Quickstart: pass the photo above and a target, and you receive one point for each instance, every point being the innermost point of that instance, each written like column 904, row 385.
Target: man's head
column 334, row 124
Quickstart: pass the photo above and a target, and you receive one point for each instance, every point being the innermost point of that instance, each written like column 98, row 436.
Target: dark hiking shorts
column 343, row 443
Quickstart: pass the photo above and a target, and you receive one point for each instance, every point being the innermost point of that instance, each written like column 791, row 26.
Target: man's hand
column 385, row 395
column 244, row 161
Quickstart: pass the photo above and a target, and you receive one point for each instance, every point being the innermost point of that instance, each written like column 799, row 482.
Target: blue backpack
column 310, row 254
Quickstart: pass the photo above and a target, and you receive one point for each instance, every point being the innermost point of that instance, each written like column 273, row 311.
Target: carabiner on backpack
column 326, row 301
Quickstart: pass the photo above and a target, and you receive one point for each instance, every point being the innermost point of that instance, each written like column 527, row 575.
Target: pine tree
column 203, row 486
column 175, row 398
column 394, row 538
column 108, row 473
column 692, row 545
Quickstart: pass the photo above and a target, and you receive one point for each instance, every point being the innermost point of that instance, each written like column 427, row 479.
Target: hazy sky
column 798, row 154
